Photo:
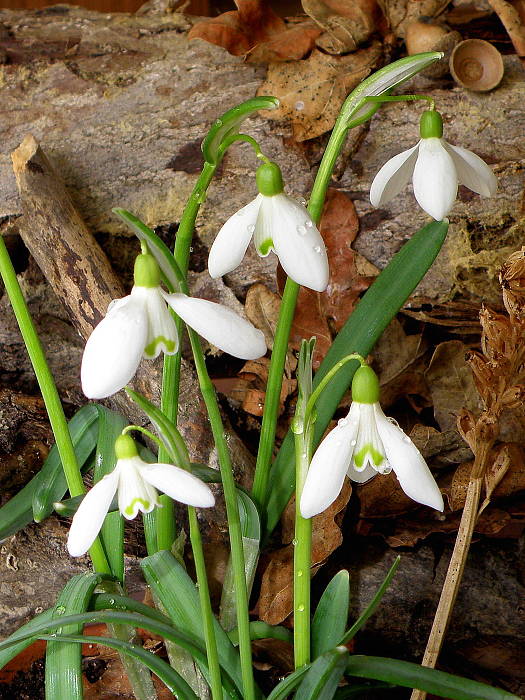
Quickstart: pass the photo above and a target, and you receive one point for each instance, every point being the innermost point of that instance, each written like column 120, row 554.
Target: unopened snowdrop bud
column 436, row 168
column 275, row 222
column 363, row 444
column 137, row 484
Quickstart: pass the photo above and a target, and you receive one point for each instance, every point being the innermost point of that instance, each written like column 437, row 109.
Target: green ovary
column 129, row 510
column 151, row 348
column 374, row 455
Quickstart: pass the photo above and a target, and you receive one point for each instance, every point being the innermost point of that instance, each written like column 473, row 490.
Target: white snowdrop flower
column 140, row 325
column 275, row 222
column 136, row 483
column 361, row 445
column 436, row 168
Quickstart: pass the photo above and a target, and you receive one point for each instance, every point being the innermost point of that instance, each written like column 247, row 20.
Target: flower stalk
column 50, row 395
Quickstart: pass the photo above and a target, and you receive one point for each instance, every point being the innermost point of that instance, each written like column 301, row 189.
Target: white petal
column 435, row 179
column 393, row 177
column 90, row 515
column 328, row 467
column 297, row 242
column 162, row 332
column 472, row 171
column 230, row 245
column 114, row 349
column 369, row 450
column 219, row 325
column 178, row 484
column 415, row 478
column 134, row 493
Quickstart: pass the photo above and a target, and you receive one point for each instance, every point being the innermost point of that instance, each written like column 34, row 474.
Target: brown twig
column 497, row 373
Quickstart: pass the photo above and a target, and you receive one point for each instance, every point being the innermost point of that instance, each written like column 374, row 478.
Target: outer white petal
column 162, row 332
column 230, row 245
column 393, row 177
column 178, row 484
column 414, row 476
column 134, row 493
column 435, row 179
column 328, row 468
column 219, row 325
column 472, row 171
column 297, row 242
column 114, row 349
column 90, row 515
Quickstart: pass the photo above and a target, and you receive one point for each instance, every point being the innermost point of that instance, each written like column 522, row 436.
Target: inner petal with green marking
column 138, row 504
column 369, row 448
column 159, row 343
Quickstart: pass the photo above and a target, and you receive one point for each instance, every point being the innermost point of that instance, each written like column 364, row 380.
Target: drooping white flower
column 363, row 444
column 140, row 325
column 436, row 168
column 136, row 483
column 275, row 222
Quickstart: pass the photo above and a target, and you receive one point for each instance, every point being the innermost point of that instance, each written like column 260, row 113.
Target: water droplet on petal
column 302, row 201
column 393, row 421
column 406, row 439
column 342, row 422
column 250, row 228
column 309, row 223
column 317, row 249
column 353, row 443
column 299, row 105
column 301, row 230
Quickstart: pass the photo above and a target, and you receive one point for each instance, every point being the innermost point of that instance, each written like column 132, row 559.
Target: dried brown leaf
column 346, row 24
column 312, row 91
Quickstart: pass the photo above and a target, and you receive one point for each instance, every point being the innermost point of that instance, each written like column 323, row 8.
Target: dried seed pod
column 477, row 65
column 512, row 280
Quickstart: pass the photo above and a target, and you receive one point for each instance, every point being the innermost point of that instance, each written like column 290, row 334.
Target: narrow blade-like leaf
column 329, row 622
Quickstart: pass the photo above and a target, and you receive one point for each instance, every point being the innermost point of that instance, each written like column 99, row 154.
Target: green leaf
column 322, row 679
column 180, row 598
column 52, row 483
column 411, row 675
column 171, row 679
column 372, row 606
column 64, row 661
column 25, row 632
column 288, row 684
column 170, row 270
column 110, row 427
column 363, row 690
column 262, row 630
column 377, row 308
column 229, row 123
column 18, row 511
column 329, row 622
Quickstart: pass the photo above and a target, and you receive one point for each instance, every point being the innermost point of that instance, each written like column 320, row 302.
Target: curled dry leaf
column 512, row 280
column 255, row 31
column 312, row 91
column 276, row 597
column 401, row 13
column 346, row 25
column 322, row 314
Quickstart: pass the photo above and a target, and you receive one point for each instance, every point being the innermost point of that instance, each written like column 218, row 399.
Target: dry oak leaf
column 346, row 24
column 400, row 13
column 276, row 598
column 318, row 314
column 312, row 91
column 255, row 31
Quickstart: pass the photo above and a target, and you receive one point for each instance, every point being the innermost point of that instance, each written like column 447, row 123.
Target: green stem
column 207, row 613
column 49, row 392
column 302, row 555
column 232, row 513
column 169, row 402
column 327, row 379
column 284, row 325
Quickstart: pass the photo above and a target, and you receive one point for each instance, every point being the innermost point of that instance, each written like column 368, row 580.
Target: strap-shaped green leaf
column 377, row 308
column 173, row 681
column 372, row 606
column 49, row 484
column 262, row 630
column 64, row 661
column 229, row 123
column 322, row 679
column 178, row 594
column 411, row 675
column 331, row 614
column 288, row 684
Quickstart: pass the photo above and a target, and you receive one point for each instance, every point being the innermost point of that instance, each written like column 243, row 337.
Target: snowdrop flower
column 361, row 445
column 136, row 482
column 436, row 168
column 276, row 222
column 140, row 325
